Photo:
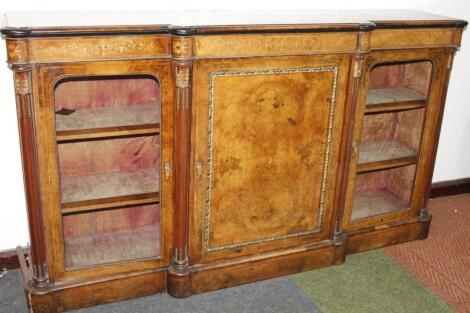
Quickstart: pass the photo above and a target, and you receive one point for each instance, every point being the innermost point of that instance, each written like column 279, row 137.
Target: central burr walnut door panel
column 267, row 136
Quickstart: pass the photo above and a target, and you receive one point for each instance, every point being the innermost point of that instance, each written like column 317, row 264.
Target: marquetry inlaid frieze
column 17, row 51
column 43, row 50
column 273, row 44
column 412, row 38
column 181, row 47
column 182, row 77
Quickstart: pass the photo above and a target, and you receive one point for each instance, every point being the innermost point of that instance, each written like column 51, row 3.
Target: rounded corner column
column 178, row 276
column 179, row 282
column 25, row 112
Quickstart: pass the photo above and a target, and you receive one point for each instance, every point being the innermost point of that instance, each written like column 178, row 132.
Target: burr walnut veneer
column 188, row 159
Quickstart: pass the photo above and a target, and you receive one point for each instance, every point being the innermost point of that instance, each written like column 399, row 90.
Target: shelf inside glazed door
column 109, row 173
column 108, row 144
column 391, row 135
column 383, row 192
column 101, row 108
column 107, row 237
column 398, row 86
column 393, row 99
column 390, row 139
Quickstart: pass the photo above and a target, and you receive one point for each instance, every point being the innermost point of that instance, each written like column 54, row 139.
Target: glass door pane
column 392, row 128
column 108, row 134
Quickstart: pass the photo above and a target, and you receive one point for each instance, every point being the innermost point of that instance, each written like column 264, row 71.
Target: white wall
column 453, row 159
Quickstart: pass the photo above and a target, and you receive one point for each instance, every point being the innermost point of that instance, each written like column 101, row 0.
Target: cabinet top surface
column 213, row 20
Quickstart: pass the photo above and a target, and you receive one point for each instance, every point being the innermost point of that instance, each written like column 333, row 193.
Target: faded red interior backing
column 413, row 75
column 382, row 192
column 112, row 236
column 397, row 133
column 107, row 102
column 105, row 156
column 106, row 168
column 106, row 91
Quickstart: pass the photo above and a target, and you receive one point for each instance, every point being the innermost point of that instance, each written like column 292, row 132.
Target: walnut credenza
column 189, row 159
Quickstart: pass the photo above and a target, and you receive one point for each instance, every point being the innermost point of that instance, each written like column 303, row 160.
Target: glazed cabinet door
column 105, row 150
column 266, row 139
column 396, row 130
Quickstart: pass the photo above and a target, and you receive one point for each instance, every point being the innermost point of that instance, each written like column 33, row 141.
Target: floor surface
column 442, row 262
column 275, row 295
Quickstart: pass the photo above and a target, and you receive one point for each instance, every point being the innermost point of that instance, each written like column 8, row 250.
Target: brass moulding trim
column 72, row 60
column 241, row 56
column 357, row 69
column 210, row 147
column 182, row 84
column 22, row 82
column 182, row 77
column 182, row 98
column 180, row 257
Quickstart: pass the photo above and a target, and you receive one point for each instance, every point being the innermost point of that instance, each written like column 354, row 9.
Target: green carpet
column 368, row 282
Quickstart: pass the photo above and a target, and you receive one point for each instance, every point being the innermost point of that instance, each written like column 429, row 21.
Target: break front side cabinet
column 194, row 158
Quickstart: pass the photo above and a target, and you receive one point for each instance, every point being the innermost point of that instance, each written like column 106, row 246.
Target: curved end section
column 367, row 27
column 182, row 30
column 21, row 32
column 179, row 284
column 461, row 24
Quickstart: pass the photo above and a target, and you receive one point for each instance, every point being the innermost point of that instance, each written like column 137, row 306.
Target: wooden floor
column 442, row 262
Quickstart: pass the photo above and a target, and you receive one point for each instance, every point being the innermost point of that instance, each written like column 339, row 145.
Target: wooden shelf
column 110, row 203
column 112, row 247
column 394, row 99
column 109, row 117
column 376, row 203
column 109, row 190
column 378, row 155
column 109, row 132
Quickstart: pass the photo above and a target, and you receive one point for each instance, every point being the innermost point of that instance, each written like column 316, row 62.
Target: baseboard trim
column 450, row 187
column 9, row 259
